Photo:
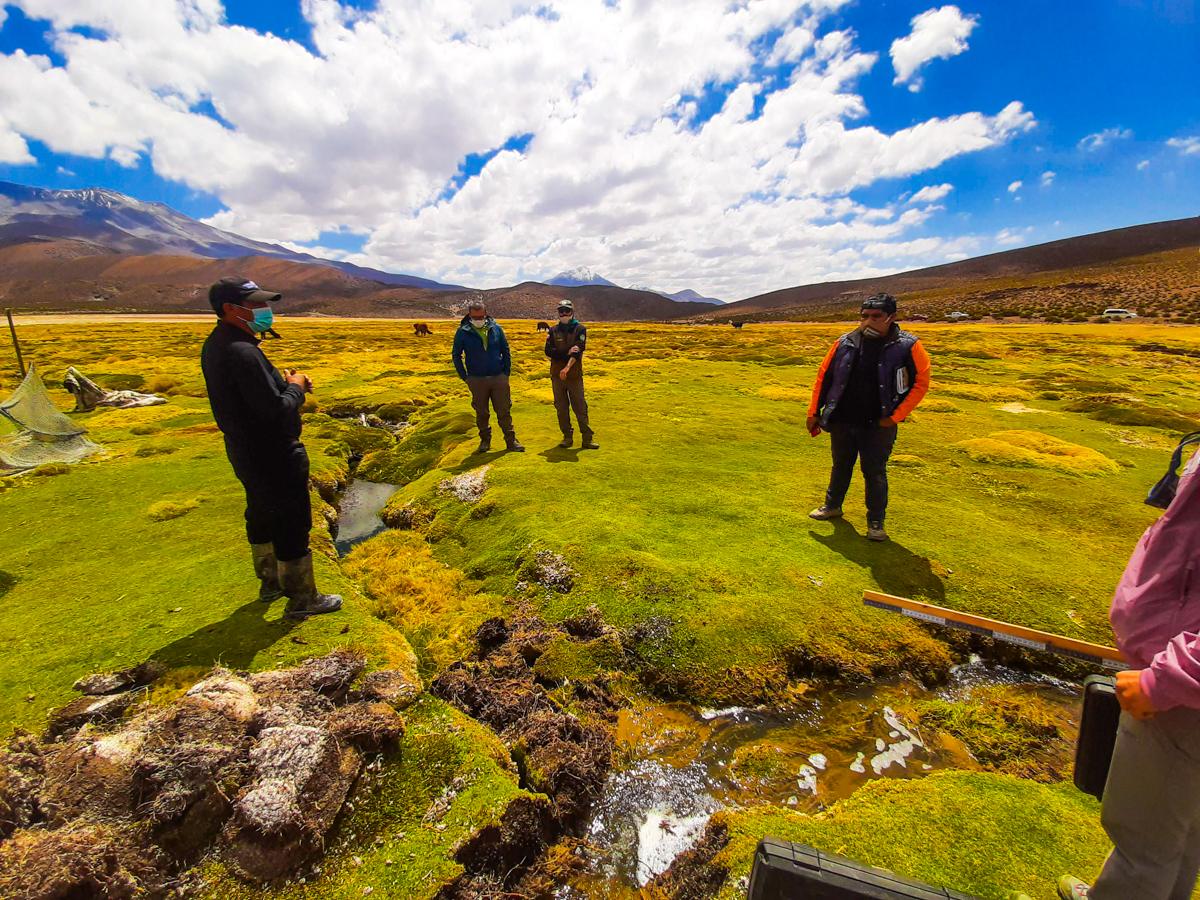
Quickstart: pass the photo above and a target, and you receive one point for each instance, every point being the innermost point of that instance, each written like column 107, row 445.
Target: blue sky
column 680, row 147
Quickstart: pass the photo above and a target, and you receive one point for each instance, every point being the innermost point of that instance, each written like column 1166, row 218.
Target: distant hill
column 684, row 296
column 578, row 276
column 116, row 222
column 689, row 296
column 73, row 275
column 1152, row 266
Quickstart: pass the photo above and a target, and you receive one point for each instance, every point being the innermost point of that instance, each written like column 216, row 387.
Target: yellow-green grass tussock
column 1030, row 449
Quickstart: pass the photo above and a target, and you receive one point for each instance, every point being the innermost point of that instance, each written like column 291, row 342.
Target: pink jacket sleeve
column 1173, row 678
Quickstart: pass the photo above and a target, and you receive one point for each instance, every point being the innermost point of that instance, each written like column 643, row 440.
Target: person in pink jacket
column 1151, row 808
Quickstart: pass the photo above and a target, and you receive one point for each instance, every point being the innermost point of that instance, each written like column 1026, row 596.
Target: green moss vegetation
column 1008, row 834
column 565, row 659
column 435, row 607
column 1033, row 450
column 1006, row 729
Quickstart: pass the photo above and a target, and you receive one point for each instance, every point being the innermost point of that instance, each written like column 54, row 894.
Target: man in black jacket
column 258, row 411
column 565, row 344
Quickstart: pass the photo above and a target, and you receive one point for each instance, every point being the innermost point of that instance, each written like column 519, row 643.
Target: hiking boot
column 515, row 446
column 567, row 441
column 589, row 444
column 300, row 587
column 485, row 443
column 875, row 531
column 1072, row 888
column 824, row 513
column 266, row 567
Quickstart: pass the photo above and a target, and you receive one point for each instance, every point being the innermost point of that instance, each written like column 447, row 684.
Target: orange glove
column 1131, row 696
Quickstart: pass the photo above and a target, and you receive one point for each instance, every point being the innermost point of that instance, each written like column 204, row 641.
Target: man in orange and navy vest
column 870, row 380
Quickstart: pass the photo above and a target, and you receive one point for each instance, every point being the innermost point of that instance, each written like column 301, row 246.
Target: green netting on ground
column 46, row 434
column 31, row 408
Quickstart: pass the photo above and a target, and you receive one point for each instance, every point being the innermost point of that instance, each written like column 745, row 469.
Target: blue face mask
column 262, row 321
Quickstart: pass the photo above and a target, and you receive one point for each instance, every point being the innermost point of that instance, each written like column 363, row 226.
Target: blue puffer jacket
column 472, row 360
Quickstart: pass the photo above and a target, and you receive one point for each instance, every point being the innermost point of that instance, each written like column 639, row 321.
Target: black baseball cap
column 237, row 291
column 884, row 302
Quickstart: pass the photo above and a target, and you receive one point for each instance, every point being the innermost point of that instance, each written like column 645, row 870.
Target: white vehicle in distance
column 1115, row 313
column 957, row 316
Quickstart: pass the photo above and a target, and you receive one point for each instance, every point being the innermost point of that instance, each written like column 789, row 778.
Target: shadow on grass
column 896, row 569
column 233, row 642
column 558, row 454
column 474, row 461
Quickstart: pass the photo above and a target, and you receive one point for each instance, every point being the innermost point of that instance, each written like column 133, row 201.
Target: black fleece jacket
column 255, row 407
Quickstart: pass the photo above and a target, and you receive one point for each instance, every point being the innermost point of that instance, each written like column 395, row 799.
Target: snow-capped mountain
column 578, row 276
column 121, row 223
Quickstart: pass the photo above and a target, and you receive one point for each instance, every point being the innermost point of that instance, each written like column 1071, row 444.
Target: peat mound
column 559, row 731
column 252, row 767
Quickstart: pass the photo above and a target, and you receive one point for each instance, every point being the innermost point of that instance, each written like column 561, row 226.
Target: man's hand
column 300, row 380
column 576, row 350
column 813, row 424
column 887, row 423
column 1131, row 697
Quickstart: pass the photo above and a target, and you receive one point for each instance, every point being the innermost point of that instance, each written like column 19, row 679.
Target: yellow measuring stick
column 1030, row 638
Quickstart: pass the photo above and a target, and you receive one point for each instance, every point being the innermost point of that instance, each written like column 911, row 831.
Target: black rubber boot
column 266, row 567
column 300, row 587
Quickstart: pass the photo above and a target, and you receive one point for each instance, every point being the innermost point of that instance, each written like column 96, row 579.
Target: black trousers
column 278, row 508
column 870, row 446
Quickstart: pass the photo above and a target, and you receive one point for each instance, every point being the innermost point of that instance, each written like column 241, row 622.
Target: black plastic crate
column 787, row 871
column 1097, row 734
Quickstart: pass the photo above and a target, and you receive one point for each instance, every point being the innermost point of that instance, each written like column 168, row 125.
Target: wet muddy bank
column 633, row 783
column 677, row 765
column 559, row 731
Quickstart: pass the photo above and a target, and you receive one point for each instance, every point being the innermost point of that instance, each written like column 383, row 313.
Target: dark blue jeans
column 870, row 446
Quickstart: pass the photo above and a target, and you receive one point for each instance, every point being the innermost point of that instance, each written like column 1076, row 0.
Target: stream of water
column 358, row 513
column 677, row 764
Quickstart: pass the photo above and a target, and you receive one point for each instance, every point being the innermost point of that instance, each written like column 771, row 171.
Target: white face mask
column 478, row 323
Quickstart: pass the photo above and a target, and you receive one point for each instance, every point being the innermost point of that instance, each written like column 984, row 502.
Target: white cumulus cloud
column 931, row 193
column 1015, row 186
column 1103, row 138
column 936, row 34
column 1143, row 165
column 1048, row 178
column 1188, row 146
column 614, row 167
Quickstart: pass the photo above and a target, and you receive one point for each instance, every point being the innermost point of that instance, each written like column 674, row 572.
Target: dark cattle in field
column 737, row 325
column 421, row 328
column 542, row 326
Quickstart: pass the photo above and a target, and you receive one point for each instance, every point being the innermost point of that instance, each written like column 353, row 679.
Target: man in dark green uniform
column 565, row 345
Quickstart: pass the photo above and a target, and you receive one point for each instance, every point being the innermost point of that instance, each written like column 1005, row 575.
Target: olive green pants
column 493, row 389
column 568, row 396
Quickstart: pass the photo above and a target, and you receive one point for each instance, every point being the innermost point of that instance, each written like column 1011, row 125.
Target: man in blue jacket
column 483, row 361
